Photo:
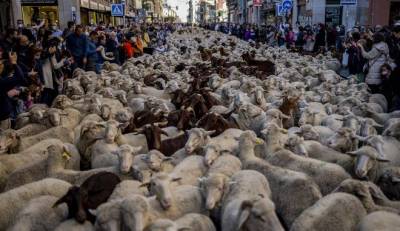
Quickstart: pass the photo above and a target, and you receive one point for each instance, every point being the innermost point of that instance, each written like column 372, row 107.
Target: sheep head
column 159, row 186
column 365, row 160
column 198, row 137
column 125, row 155
column 213, row 187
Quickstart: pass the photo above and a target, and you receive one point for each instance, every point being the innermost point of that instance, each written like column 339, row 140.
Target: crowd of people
column 35, row 60
column 372, row 54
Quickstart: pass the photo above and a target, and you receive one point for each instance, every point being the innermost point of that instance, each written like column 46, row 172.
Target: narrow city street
column 201, row 115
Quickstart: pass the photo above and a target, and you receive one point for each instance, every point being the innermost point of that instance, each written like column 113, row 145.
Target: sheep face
column 393, row 130
column 111, row 132
column 92, row 131
column 258, row 215
column 125, row 155
column 36, row 115
column 54, row 117
column 8, row 141
column 249, row 138
column 212, row 152
column 389, row 182
column 366, row 158
column 105, row 112
column 213, row 189
column 342, row 141
column 155, row 159
column 307, row 117
column 62, row 102
column 135, row 212
column 309, row 133
column 197, row 139
column 73, row 198
column 160, row 187
column 296, row 145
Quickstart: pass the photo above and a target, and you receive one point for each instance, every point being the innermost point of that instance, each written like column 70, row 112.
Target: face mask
column 20, row 25
column 384, row 73
column 54, row 27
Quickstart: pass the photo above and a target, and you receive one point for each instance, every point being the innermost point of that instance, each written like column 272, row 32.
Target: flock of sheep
column 215, row 134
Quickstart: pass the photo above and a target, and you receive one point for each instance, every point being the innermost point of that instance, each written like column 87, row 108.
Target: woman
column 101, row 53
column 11, row 76
column 137, row 45
column 49, row 73
column 376, row 57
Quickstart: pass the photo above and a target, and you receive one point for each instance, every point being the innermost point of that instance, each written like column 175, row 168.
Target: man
column 77, row 45
column 11, row 76
column 24, row 51
column 55, row 32
column 70, row 30
column 92, row 50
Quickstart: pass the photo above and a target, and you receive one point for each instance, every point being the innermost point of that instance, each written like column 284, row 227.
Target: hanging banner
column 257, row 2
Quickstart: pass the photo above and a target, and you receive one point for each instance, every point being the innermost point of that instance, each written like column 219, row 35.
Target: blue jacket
column 91, row 51
column 77, row 45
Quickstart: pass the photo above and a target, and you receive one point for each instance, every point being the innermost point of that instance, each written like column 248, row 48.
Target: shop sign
column 348, row 2
column 257, row 2
column 38, row 1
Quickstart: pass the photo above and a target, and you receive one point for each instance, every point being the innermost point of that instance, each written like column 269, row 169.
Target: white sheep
column 14, row 200
column 191, row 221
column 38, row 214
column 336, row 211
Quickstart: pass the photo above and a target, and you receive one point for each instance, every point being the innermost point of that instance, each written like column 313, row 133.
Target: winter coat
column 376, row 57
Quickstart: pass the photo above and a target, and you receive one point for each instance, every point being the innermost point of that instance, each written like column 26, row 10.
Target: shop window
column 31, row 14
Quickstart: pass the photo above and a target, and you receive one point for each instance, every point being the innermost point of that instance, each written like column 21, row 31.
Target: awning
column 39, row 2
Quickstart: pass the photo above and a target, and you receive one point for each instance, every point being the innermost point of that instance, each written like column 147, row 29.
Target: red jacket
column 128, row 50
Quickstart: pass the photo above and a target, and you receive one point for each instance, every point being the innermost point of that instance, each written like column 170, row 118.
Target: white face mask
column 20, row 25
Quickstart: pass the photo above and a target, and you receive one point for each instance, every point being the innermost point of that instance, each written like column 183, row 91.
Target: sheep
column 283, row 182
column 392, row 130
column 380, row 220
column 93, row 192
column 336, row 211
column 191, row 221
column 9, row 163
column 137, row 212
column 39, row 215
column 389, row 183
column 326, row 175
column 154, row 161
column 215, row 183
column 14, row 200
column 62, row 133
column 43, row 168
column 72, row 225
column 126, row 188
column 248, row 204
column 370, row 195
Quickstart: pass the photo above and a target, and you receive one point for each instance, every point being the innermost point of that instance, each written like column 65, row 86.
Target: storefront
column 93, row 12
column 34, row 10
column 333, row 13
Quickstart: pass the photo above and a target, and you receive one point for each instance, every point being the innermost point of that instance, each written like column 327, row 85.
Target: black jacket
column 6, row 84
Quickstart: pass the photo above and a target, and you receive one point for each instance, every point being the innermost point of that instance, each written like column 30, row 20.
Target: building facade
column 62, row 11
column 310, row 12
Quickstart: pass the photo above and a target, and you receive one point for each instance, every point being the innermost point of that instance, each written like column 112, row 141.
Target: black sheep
column 92, row 193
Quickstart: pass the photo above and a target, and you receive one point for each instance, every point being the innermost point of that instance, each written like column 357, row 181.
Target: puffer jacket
column 376, row 57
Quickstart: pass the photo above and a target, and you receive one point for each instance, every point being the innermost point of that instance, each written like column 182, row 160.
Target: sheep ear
column 136, row 149
column 245, row 210
column 147, row 184
column 164, row 133
column 354, row 153
column 176, row 179
column 382, row 158
column 209, row 133
column 93, row 212
column 167, row 158
column 62, row 200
